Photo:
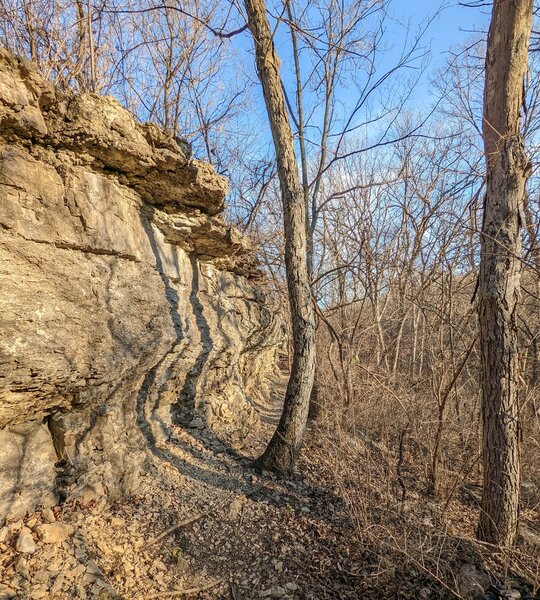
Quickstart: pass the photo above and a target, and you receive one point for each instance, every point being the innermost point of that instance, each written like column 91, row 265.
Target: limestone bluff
column 126, row 301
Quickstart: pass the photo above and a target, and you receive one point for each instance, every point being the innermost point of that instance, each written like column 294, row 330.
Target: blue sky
column 451, row 27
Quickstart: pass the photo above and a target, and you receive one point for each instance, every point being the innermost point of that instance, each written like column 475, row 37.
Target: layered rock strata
column 125, row 302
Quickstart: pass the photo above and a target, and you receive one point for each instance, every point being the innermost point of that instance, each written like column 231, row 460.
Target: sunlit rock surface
column 126, row 301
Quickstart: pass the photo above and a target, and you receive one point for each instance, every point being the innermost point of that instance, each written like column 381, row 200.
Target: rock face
column 125, row 300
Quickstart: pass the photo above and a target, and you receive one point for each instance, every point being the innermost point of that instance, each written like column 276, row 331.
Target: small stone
column 54, row 533
column 6, row 592
column 117, row 522
column 91, row 493
column 41, row 577
column 15, row 526
column 25, row 542
column 235, row 509
column 278, row 565
column 58, row 583
column 80, row 592
column 291, row 586
column 3, row 534
column 48, row 516
column 21, row 567
column 79, row 571
column 88, row 579
column 197, row 423
column 92, row 568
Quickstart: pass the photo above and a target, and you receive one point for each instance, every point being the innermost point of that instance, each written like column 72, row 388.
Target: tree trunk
column 500, row 266
column 91, row 49
column 281, row 453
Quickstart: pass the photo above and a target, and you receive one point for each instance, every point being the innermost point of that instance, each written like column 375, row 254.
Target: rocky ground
column 204, row 524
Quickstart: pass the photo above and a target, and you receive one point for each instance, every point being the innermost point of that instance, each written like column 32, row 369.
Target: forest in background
column 394, row 196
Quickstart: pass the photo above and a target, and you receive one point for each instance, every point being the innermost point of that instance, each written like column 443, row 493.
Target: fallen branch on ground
column 189, row 521
column 184, row 592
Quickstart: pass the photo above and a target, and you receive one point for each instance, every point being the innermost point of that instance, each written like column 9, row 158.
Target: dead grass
column 377, row 456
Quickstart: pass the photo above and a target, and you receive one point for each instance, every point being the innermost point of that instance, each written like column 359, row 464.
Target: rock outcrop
column 125, row 299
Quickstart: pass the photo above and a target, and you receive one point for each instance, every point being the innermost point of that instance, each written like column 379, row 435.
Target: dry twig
column 184, row 592
column 189, row 521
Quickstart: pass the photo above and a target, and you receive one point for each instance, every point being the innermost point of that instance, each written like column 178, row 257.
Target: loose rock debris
column 203, row 524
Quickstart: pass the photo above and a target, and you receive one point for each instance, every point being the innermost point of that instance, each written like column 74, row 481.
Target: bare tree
column 500, row 266
column 281, row 452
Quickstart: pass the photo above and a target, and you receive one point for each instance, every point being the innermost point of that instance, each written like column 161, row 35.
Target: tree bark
column 500, row 266
column 280, row 454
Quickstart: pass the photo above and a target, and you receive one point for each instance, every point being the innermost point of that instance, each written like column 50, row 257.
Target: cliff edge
column 126, row 302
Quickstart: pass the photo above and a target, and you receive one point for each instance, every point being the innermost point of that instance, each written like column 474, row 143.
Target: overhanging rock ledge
column 125, row 303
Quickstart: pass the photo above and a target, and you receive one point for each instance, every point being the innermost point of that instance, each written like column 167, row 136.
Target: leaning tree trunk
column 500, row 266
column 281, row 453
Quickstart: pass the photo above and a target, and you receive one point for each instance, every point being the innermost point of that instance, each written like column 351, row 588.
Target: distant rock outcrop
column 125, row 299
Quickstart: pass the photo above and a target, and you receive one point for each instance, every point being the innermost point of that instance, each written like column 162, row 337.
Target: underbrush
column 416, row 539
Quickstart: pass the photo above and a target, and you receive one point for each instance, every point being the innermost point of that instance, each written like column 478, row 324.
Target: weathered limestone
column 54, row 533
column 27, row 460
column 124, row 303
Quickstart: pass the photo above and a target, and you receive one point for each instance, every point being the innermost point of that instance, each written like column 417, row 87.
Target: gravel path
column 203, row 524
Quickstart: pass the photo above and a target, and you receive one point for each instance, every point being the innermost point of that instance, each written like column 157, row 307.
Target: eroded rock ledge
column 125, row 302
